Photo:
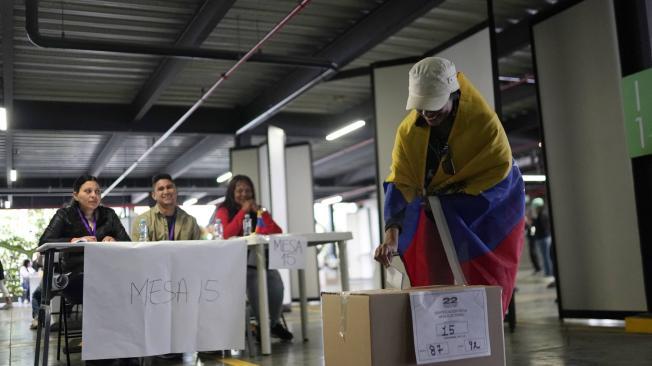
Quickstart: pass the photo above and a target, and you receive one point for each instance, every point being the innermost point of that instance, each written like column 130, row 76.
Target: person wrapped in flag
column 452, row 144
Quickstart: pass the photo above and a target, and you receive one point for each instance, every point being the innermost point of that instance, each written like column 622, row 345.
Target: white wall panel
column 589, row 172
column 301, row 218
column 245, row 161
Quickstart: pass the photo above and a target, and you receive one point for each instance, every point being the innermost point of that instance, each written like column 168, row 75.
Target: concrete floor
column 540, row 338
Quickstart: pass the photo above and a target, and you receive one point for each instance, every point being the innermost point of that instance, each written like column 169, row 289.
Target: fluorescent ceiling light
column 331, row 200
column 3, row 119
column 344, row 130
column 13, row 175
column 224, row 177
column 509, row 78
column 534, row 178
column 190, row 202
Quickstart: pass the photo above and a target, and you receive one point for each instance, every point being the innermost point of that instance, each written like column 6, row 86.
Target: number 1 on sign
column 639, row 120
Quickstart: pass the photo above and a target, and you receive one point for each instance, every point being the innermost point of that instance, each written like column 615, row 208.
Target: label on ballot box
column 450, row 325
column 287, row 251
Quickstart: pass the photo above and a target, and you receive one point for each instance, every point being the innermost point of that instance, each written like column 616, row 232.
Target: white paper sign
column 143, row 299
column 450, row 325
column 287, row 251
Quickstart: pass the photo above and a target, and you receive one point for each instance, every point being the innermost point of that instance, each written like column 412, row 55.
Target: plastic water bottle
column 142, row 230
column 246, row 225
column 219, row 230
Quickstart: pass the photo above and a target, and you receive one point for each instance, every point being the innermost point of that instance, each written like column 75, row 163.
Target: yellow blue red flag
column 483, row 201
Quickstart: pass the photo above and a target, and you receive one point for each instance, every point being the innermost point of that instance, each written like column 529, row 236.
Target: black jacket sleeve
column 117, row 228
column 55, row 232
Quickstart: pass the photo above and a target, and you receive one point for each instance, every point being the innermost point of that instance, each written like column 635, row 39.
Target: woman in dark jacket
column 84, row 220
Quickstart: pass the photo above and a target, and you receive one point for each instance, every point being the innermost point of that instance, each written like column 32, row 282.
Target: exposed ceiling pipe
column 205, row 96
column 342, row 152
column 34, row 35
column 350, row 194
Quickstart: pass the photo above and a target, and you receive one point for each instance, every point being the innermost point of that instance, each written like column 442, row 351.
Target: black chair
column 510, row 317
column 68, row 334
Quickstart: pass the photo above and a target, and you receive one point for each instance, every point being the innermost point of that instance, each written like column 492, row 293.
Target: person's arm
column 232, row 227
column 117, row 231
column 388, row 248
column 55, row 230
column 134, row 227
column 395, row 204
column 196, row 231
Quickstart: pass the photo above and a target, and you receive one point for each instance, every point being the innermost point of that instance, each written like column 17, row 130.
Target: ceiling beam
column 47, row 191
column 517, row 93
column 7, row 11
column 523, row 126
column 111, row 147
column 381, row 23
column 206, row 18
column 341, row 153
column 68, row 116
column 204, row 147
column 318, row 125
column 363, row 174
column 512, row 39
column 110, row 118
column 56, row 184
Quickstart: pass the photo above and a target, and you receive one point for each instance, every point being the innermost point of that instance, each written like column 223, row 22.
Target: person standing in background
column 8, row 303
column 542, row 235
column 25, row 272
column 531, row 242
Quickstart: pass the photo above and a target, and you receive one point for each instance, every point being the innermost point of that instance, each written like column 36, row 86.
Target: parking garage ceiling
column 75, row 111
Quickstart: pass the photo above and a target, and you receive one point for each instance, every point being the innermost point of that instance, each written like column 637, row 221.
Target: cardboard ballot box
column 375, row 327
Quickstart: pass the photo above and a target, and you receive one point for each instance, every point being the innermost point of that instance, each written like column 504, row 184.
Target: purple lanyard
column 87, row 225
column 171, row 232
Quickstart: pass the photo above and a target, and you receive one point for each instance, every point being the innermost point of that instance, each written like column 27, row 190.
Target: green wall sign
column 637, row 102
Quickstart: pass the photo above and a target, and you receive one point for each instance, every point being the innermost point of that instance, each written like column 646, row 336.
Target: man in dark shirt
column 542, row 234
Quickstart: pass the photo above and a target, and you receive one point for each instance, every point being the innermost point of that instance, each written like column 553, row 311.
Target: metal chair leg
column 250, row 341
column 511, row 313
column 65, row 329
column 59, row 331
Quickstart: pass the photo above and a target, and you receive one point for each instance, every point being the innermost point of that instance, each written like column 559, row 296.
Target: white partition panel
column 278, row 186
column 301, row 218
column 278, row 191
column 589, row 172
column 472, row 56
column 245, row 161
column 264, row 194
column 255, row 162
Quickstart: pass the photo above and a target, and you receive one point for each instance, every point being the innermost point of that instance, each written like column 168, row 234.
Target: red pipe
column 205, row 96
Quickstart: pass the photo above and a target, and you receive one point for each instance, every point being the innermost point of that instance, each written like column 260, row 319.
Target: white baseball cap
column 431, row 82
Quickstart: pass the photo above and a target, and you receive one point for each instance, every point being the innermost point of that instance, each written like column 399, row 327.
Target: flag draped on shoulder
column 483, row 202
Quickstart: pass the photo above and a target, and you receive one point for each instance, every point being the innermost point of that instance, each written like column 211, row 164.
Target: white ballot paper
column 450, row 325
column 144, row 299
column 287, row 251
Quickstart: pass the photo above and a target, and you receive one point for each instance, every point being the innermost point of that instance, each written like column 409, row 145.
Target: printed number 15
column 450, row 328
